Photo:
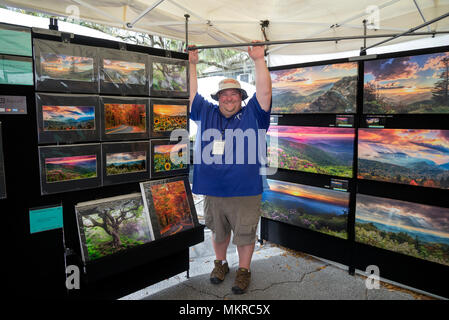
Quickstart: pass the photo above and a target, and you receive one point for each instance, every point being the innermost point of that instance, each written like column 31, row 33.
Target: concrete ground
column 277, row 274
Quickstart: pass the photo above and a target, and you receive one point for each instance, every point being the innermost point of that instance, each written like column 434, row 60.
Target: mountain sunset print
column 408, row 156
column 411, row 84
column 330, row 88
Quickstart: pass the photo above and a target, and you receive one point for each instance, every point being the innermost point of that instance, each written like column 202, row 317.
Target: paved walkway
column 277, row 274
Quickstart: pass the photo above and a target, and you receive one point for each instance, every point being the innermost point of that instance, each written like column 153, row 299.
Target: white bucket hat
column 229, row 83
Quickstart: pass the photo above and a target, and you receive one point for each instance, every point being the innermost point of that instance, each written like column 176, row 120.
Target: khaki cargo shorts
column 239, row 214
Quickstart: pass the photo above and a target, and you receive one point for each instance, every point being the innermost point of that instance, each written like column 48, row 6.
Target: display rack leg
column 187, row 274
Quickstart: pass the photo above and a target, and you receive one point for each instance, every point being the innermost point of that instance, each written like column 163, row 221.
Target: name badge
column 218, row 147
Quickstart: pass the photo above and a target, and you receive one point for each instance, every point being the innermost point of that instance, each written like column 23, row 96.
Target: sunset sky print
column 402, row 146
column 307, row 80
column 73, row 161
column 405, row 215
column 123, row 66
column 407, row 79
column 170, row 110
column 313, row 134
column 64, row 63
column 125, row 157
column 169, row 148
column 308, row 192
column 64, row 113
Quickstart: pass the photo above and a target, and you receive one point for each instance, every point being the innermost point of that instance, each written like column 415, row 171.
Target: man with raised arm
column 228, row 172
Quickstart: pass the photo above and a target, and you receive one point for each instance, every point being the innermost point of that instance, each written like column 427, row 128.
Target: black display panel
column 67, row 118
column 167, row 115
column 319, row 88
column 125, row 162
column 123, row 72
column 65, row 67
column 2, row 168
column 69, row 168
column 168, row 77
column 124, row 118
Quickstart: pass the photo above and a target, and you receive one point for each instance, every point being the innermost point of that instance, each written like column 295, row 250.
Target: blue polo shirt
column 237, row 171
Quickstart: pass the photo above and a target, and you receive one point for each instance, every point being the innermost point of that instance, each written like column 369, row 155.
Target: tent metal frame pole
column 333, row 39
column 409, row 32
column 154, row 5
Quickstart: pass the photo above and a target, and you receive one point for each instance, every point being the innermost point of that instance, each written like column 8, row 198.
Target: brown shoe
column 218, row 274
column 242, row 281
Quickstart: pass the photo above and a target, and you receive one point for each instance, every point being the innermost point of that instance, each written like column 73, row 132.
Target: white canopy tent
column 217, row 22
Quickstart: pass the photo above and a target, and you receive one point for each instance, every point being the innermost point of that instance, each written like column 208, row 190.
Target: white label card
column 218, row 147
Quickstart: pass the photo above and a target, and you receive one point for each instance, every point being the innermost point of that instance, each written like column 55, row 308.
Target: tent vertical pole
column 187, row 31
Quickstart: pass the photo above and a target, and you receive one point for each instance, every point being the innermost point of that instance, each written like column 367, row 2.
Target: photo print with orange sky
column 328, row 88
column 68, row 118
column 412, row 84
column 408, row 156
column 163, row 157
column 117, row 71
column 65, row 67
column 169, row 117
column 314, row 208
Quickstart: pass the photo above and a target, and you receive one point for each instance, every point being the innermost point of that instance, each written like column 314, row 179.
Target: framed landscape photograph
column 170, row 205
column 123, row 72
column 2, row 168
column 124, row 118
column 168, row 115
column 70, row 167
column 67, row 118
column 65, row 67
column 327, row 88
column 413, row 229
column 168, row 77
column 169, row 158
column 112, row 225
column 408, row 84
column 125, row 162
column 323, row 150
column 314, row 208
column 416, row 157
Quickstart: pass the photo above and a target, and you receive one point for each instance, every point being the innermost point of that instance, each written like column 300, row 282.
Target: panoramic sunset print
column 312, row 149
column 71, row 168
column 62, row 118
column 318, row 209
column 413, row 229
column 64, row 67
column 320, row 89
column 413, row 84
column 117, row 71
column 169, row 117
column 409, row 156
